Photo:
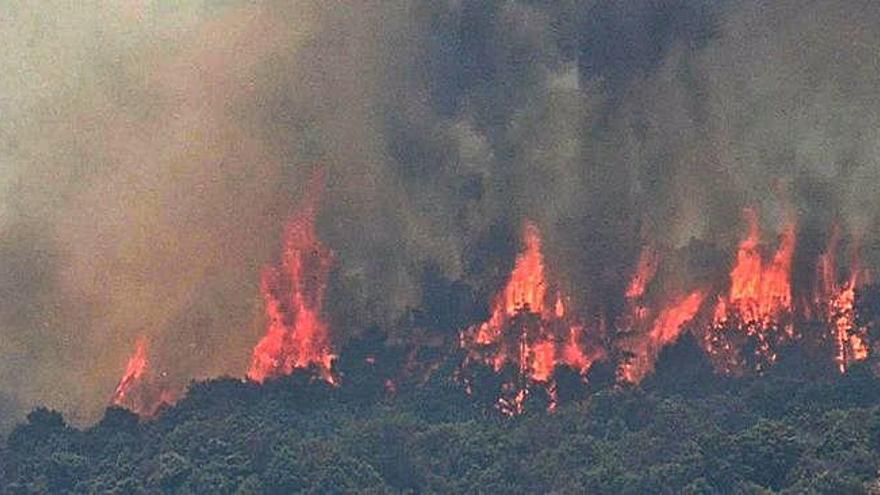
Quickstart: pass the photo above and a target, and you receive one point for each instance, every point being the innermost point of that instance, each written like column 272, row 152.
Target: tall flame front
column 836, row 303
column 757, row 308
column 529, row 330
column 297, row 337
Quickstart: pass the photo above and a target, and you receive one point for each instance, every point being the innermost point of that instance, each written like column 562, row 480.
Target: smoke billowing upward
column 151, row 153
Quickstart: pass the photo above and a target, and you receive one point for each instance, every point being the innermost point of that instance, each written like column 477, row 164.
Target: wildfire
column 760, row 292
column 525, row 290
column 664, row 330
column 757, row 307
column 296, row 335
column 531, row 329
column 527, row 331
column 139, row 390
column 838, row 300
column 134, row 370
column 646, row 268
column 636, row 312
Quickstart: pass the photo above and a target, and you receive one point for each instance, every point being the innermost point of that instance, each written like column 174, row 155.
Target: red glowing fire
column 531, row 329
column 838, row 301
column 134, row 371
column 758, row 304
column 140, row 389
column 646, row 333
column 528, row 330
column 297, row 337
column 644, row 348
column 759, row 291
column 646, row 269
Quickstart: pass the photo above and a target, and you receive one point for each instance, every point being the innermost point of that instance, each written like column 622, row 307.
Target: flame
column 134, row 371
column 850, row 340
column 847, row 343
column 528, row 331
column 759, row 291
column 531, row 330
column 525, row 289
column 758, row 307
column 559, row 307
column 646, row 268
column 138, row 389
column 758, row 304
column 296, row 335
column 667, row 327
column 636, row 312
column 826, row 269
column 664, row 330
column 573, row 353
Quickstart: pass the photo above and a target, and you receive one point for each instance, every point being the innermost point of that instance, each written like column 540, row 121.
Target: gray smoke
column 151, row 152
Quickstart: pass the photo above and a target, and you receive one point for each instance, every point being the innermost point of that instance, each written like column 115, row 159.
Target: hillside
column 684, row 430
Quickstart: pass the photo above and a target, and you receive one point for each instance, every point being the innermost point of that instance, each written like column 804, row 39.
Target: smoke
column 151, row 152
column 136, row 199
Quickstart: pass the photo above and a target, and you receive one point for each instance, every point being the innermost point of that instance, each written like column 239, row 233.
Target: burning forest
column 521, row 207
column 745, row 319
column 297, row 336
column 141, row 388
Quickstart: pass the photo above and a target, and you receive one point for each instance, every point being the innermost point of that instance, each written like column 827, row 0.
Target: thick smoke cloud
column 136, row 199
column 151, row 152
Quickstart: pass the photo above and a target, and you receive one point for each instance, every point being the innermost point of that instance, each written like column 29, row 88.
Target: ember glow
column 529, row 329
column 297, row 337
column 141, row 390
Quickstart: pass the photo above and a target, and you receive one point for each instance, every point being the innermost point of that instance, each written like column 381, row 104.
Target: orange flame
column 573, row 353
column 526, row 330
column 758, row 304
column 667, row 327
column 134, row 371
column 138, row 390
column 637, row 312
column 850, row 342
column 758, row 291
column 296, row 336
column 645, row 270
column 664, row 330
column 525, row 289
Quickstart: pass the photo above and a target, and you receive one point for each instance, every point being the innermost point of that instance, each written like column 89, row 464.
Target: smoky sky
column 150, row 152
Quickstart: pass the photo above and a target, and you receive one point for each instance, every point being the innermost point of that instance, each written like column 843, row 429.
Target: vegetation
column 684, row 431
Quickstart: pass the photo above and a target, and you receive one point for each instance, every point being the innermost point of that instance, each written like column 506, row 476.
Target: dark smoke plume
column 150, row 152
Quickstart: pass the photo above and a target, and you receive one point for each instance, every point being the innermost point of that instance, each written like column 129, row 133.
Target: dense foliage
column 685, row 431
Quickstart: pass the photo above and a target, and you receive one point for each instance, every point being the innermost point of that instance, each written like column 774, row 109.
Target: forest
column 683, row 430
column 442, row 246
